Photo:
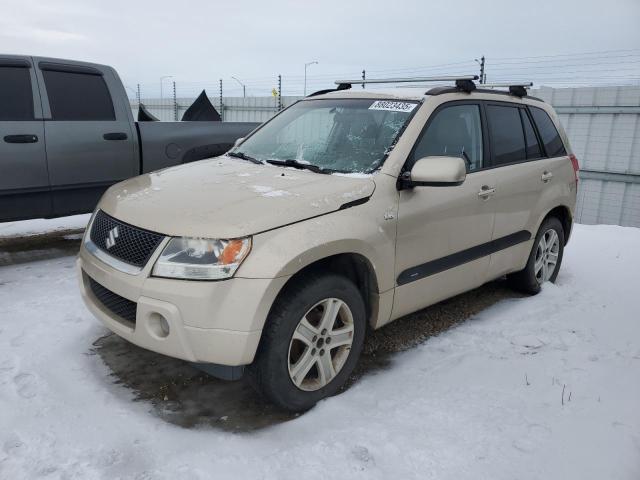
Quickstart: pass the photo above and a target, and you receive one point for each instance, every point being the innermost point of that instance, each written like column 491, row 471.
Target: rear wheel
column 311, row 342
column 544, row 260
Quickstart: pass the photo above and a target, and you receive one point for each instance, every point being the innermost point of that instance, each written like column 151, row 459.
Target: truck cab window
column 16, row 98
column 78, row 96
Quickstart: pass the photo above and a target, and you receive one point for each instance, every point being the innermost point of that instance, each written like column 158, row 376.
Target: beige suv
column 347, row 210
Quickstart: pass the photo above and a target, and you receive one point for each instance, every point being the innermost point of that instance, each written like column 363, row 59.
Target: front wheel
column 544, row 261
column 311, row 342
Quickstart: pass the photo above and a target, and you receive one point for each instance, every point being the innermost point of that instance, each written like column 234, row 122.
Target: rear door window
column 506, row 134
column 548, row 133
column 533, row 147
column 78, row 96
column 16, row 97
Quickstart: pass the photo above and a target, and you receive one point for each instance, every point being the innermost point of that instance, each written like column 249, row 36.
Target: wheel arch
column 354, row 266
column 562, row 213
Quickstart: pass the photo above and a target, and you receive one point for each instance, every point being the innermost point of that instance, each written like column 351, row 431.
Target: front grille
column 119, row 306
column 125, row 242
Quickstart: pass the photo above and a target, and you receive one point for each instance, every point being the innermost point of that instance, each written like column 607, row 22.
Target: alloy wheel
column 320, row 344
column 547, row 256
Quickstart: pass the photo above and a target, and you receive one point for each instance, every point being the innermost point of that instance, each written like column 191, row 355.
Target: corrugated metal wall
column 603, row 125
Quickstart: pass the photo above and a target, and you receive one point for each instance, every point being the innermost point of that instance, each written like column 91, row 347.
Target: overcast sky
column 203, row 41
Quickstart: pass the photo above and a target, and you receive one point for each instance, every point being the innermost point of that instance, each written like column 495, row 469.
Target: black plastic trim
column 63, row 67
column 460, row 258
column 115, row 136
column 442, row 90
column 24, row 138
column 14, row 62
column 354, row 203
column 342, row 207
column 223, row 372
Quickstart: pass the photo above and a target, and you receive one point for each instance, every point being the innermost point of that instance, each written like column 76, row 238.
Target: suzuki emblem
column 110, row 241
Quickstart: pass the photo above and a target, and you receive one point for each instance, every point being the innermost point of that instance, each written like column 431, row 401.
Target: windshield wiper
column 297, row 164
column 244, row 156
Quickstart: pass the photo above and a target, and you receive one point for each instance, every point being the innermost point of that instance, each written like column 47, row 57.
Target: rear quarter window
column 548, row 133
column 78, row 96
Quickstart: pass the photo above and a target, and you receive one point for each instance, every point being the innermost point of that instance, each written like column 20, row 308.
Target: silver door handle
column 546, row 176
column 486, row 192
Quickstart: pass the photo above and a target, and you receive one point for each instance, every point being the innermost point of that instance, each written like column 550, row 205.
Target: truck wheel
column 311, row 342
column 544, row 260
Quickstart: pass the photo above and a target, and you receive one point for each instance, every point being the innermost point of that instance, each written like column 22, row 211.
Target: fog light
column 158, row 325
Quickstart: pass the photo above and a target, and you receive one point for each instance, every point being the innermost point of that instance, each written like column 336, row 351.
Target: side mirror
column 238, row 141
column 436, row 172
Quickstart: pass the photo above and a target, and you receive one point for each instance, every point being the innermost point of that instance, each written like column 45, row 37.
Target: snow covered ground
column 545, row 387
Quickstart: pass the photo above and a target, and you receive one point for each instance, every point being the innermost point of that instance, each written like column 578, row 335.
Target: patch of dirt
column 183, row 395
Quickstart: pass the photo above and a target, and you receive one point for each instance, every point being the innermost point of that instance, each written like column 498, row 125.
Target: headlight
column 201, row 258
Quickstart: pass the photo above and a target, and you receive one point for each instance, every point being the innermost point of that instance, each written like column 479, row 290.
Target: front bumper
column 208, row 322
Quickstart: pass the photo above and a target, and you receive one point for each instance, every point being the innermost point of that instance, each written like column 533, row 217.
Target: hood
column 227, row 198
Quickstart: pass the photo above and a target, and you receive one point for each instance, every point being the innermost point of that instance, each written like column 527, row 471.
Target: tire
column 530, row 279
column 287, row 345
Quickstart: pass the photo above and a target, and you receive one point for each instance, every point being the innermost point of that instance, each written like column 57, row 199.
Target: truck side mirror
column 436, row 172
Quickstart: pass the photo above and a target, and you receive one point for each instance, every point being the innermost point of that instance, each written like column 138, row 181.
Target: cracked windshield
column 342, row 135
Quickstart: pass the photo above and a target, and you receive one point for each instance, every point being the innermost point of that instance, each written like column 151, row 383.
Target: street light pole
column 244, row 90
column 305, row 75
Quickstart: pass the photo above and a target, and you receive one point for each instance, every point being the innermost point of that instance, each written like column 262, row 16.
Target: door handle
column 486, row 191
column 115, row 136
column 21, row 138
column 546, row 176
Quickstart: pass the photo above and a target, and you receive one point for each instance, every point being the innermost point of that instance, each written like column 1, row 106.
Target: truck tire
column 311, row 342
column 544, row 260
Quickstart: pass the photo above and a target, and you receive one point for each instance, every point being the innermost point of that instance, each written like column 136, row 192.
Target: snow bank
column 43, row 225
column 532, row 388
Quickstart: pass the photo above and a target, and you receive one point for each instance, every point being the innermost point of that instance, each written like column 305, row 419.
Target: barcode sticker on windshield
column 392, row 106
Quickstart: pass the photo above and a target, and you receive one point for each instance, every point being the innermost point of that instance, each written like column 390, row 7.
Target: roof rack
column 463, row 82
column 450, row 78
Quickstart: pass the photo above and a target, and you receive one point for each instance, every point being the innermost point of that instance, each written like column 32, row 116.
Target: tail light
column 575, row 165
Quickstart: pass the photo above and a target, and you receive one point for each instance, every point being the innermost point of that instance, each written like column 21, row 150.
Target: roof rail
column 515, row 89
column 506, row 84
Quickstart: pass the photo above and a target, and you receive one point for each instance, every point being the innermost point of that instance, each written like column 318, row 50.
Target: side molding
column 459, row 258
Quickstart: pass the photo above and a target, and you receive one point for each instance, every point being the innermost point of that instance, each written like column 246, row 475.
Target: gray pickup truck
column 67, row 133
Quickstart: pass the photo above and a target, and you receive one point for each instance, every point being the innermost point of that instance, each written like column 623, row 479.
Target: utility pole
column 221, row 106
column 482, row 77
column 364, row 77
column 279, row 92
column 138, row 94
column 175, row 103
